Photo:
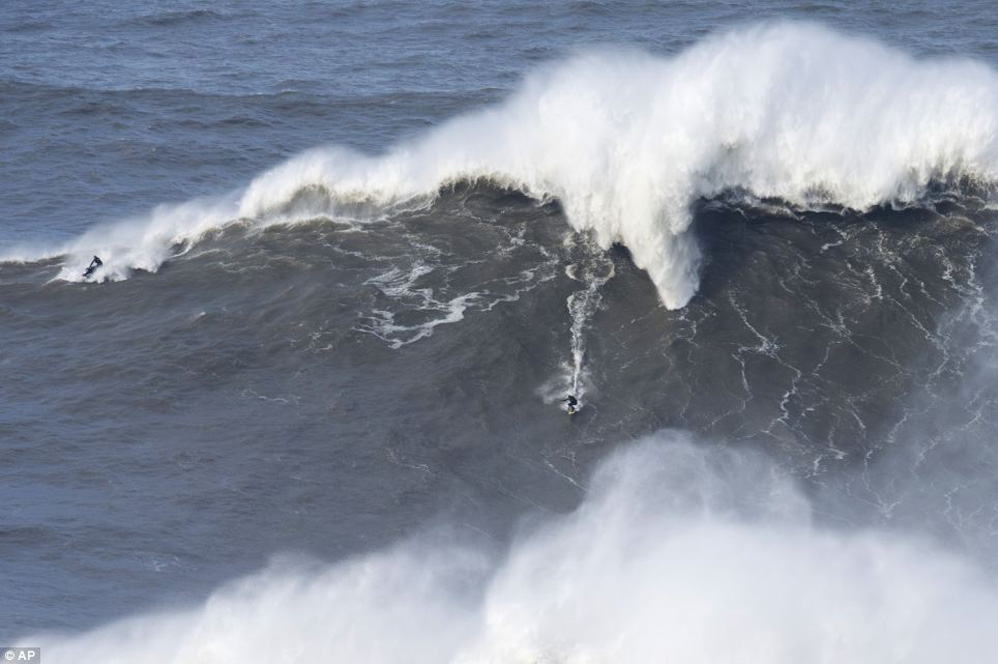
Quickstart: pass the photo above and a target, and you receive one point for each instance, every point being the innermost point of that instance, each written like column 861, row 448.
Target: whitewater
column 628, row 142
column 680, row 552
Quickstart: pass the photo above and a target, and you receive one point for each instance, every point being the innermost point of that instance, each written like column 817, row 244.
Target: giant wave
column 628, row 142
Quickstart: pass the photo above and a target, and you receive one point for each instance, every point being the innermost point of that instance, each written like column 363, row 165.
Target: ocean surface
column 355, row 255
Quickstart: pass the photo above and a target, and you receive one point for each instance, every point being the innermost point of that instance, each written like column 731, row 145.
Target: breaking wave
column 628, row 141
column 680, row 552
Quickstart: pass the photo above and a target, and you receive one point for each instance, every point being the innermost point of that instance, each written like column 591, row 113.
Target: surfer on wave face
column 573, row 404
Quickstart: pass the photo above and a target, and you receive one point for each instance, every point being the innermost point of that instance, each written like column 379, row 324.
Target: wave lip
column 629, row 141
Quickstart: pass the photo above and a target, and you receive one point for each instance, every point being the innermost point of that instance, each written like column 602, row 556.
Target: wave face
column 680, row 552
column 628, row 142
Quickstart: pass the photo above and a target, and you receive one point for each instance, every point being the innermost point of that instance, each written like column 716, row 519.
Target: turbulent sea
column 355, row 254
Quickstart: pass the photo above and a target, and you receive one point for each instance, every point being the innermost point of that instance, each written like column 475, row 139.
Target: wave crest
column 629, row 141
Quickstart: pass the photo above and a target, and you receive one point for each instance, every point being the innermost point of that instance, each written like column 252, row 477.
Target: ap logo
column 22, row 655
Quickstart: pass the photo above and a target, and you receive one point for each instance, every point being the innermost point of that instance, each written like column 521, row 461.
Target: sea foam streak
column 680, row 552
column 628, row 141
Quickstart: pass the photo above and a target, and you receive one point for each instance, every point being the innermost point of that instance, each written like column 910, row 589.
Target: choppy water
column 356, row 254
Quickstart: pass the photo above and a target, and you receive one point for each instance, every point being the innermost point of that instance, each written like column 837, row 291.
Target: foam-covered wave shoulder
column 628, row 141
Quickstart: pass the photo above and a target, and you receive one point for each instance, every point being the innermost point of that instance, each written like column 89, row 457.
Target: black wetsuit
column 94, row 264
column 572, row 402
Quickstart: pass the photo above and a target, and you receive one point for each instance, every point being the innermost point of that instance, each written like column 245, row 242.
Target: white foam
column 680, row 553
column 628, row 141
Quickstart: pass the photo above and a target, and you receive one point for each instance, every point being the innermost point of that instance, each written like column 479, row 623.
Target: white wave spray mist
column 680, row 552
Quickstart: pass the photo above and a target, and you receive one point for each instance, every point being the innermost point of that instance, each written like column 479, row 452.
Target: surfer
column 94, row 264
column 573, row 404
